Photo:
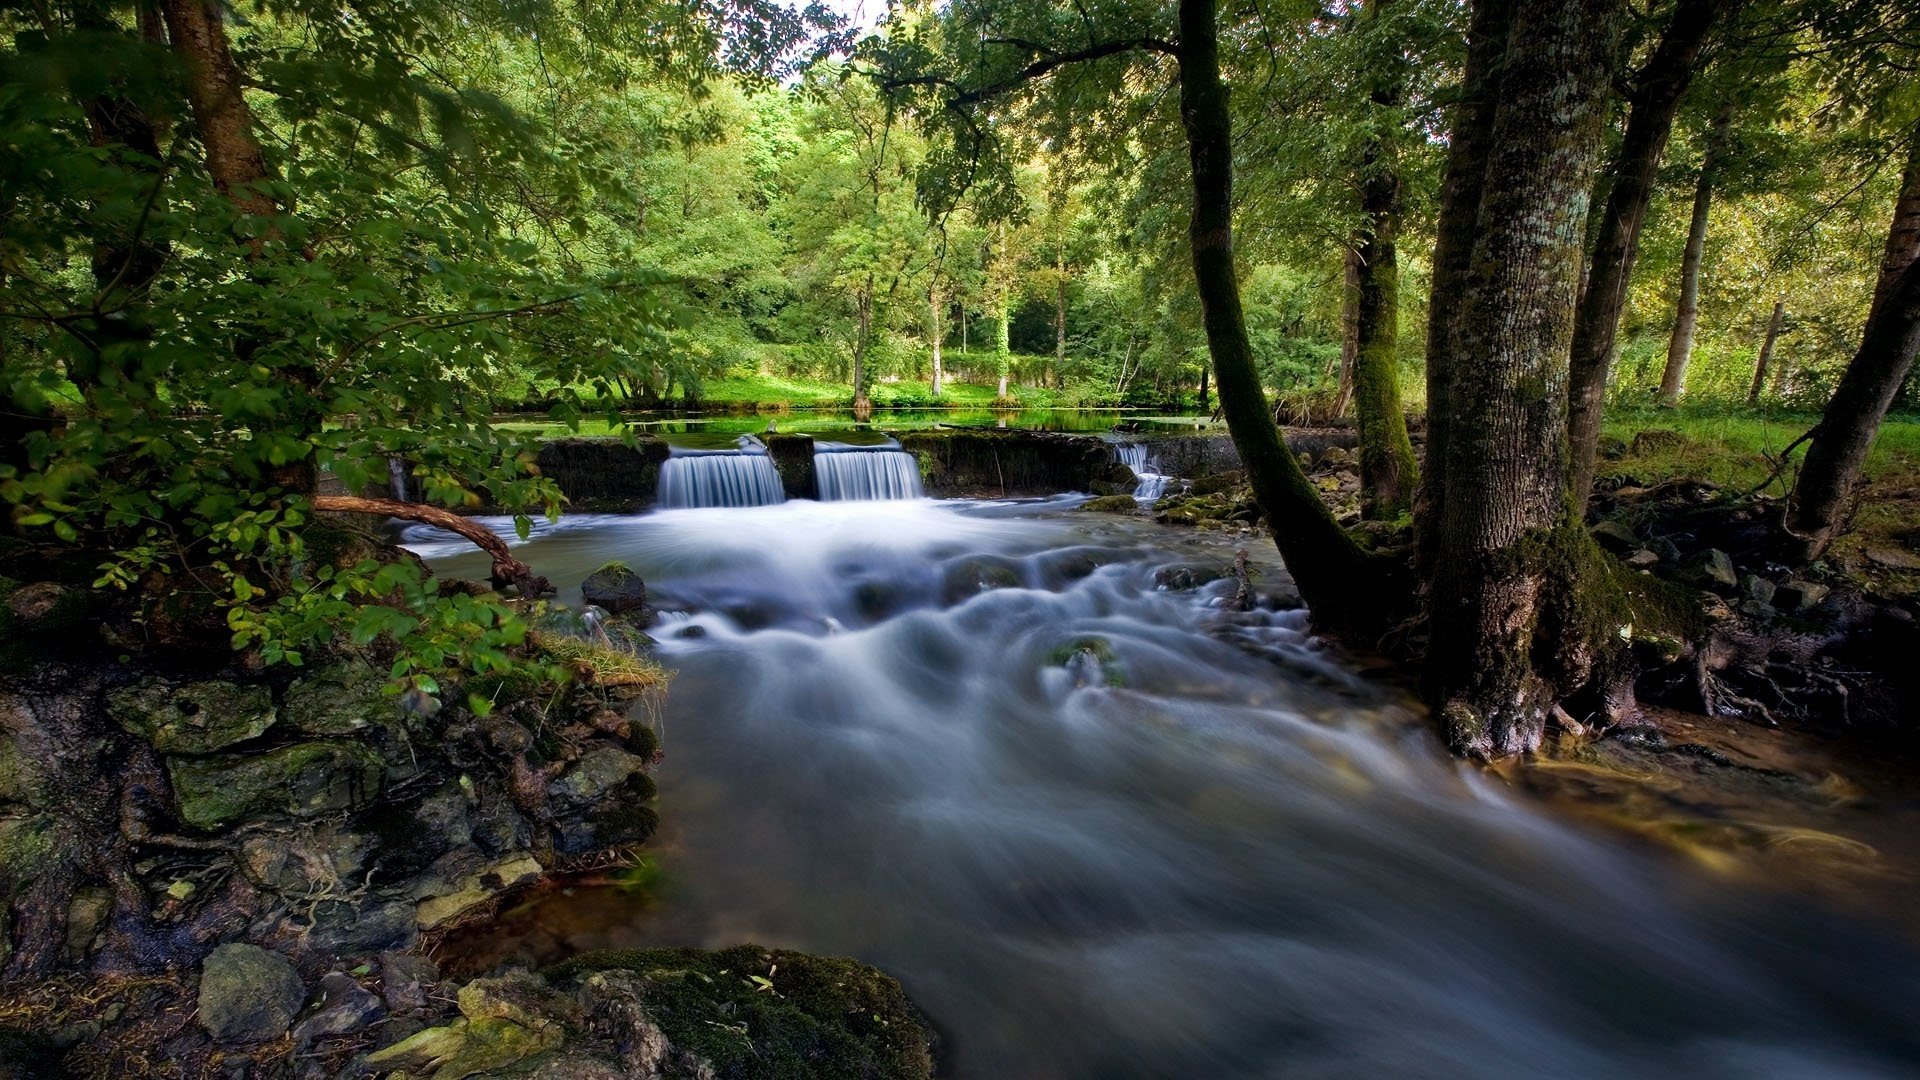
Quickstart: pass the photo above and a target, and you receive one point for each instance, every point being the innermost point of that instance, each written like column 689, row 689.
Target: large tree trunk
column 1501, row 628
column 937, row 333
column 1059, row 319
column 1653, row 103
column 1342, row 589
column 862, row 342
column 1673, row 381
column 1387, row 470
column 1460, row 195
column 1761, row 361
column 1819, row 507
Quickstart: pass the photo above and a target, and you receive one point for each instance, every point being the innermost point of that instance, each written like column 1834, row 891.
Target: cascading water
column 844, row 472
column 397, row 479
column 720, row 478
column 1103, row 825
column 1151, row 485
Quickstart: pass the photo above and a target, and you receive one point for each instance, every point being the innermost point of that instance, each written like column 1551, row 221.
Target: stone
column 1615, row 536
column 1642, row 559
column 346, row 928
column 407, row 980
column 448, row 901
column 1336, row 457
column 1612, row 448
column 615, row 1000
column 615, row 588
column 1797, row 595
column 1757, row 589
column 1112, row 504
column 1188, row 576
column 340, row 700
column 1216, row 483
column 34, row 602
column 519, row 997
column 1892, row 558
column 304, row 864
column 248, row 994
column 345, row 1007
column 1755, row 609
column 1665, row 548
column 601, row 802
column 1712, row 569
column 984, row 573
column 87, row 915
column 197, row 718
column 302, row 780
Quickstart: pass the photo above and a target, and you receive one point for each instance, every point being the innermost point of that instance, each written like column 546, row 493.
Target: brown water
column 1104, row 829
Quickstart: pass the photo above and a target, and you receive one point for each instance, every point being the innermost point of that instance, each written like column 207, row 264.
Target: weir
column 706, row 478
column 1151, row 483
column 844, row 472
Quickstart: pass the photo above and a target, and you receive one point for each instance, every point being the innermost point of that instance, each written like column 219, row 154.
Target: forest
column 1117, row 504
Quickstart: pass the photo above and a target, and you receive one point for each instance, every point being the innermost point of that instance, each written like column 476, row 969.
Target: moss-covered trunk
column 1824, row 492
column 1341, row 588
column 1507, row 543
column 1603, row 292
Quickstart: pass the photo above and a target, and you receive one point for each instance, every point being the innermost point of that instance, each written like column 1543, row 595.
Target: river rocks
column 1712, row 569
column 248, row 994
column 1642, row 559
column 197, row 718
column 1112, row 504
column 1892, row 558
column 340, row 700
column 459, row 886
column 1188, row 576
column 601, row 802
column 1616, row 536
column 1796, row 595
column 615, row 588
column 345, row 1007
column 981, row 573
column 1756, row 589
column 406, row 980
column 302, row 780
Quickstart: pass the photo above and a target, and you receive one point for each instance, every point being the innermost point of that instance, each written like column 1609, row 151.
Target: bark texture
column 507, row 570
column 1460, row 191
column 1507, row 542
column 220, row 112
column 1673, row 380
column 1765, row 358
column 1349, row 330
column 1652, row 106
column 1824, row 492
column 936, row 334
column 1335, row 578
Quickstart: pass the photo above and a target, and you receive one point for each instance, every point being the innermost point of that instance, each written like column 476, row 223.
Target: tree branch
column 507, row 570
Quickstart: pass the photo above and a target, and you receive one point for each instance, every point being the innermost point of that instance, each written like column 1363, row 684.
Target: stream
column 1101, row 825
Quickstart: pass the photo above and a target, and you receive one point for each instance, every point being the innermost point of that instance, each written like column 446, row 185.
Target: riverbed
column 1101, row 824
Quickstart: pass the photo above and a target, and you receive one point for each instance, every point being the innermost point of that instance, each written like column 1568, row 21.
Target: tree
column 1765, row 355
column 1687, row 314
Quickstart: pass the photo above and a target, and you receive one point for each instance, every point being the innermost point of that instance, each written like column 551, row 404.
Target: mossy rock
column 749, row 1012
column 1112, row 504
column 197, row 718
column 340, row 700
column 301, row 780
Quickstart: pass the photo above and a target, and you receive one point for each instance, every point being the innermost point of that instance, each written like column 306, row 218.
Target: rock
column 615, row 588
column 1757, row 589
column 1612, row 448
column 1642, row 559
column 1188, row 576
column 304, row 864
column 614, row 998
column 303, row 780
column 1892, row 558
column 340, row 700
column 1615, row 536
column 1755, row 609
column 519, row 997
column 445, row 901
column 34, row 602
column 1664, row 548
column 87, row 915
column 345, row 1007
column 1713, row 569
column 601, row 801
column 984, row 573
column 407, row 980
column 344, row 928
column 248, row 994
column 1218, row 482
column 464, row 1048
column 1797, row 595
column 1112, row 504
column 198, row 718
column 1336, row 457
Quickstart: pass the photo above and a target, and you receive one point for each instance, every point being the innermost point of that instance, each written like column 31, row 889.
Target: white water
column 843, row 472
column 719, row 479
column 1101, row 829
column 1151, row 485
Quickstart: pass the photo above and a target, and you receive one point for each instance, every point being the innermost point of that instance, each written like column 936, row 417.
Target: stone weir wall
column 609, row 475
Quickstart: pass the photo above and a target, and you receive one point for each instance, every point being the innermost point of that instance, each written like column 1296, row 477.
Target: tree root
column 507, row 570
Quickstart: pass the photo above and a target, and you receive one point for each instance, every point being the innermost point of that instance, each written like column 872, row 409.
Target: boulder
column 340, row 700
column 984, row 573
column 1112, row 504
column 1665, row 548
column 197, row 718
column 601, row 801
column 1642, row 559
column 302, row 780
column 407, row 980
column 248, row 994
column 454, row 890
column 615, row 588
column 1616, row 536
column 1757, row 589
column 1797, row 595
column 1712, row 569
column 345, row 1007
column 1889, row 558
column 36, row 601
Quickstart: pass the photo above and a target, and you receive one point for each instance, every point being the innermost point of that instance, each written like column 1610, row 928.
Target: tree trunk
column 220, row 112
column 1460, row 195
column 1002, row 346
column 1342, row 590
column 1204, row 389
column 1387, row 470
column 1766, row 352
column 1673, row 380
column 862, row 341
column 1349, row 330
column 933, row 316
column 506, row 571
column 1500, row 591
column 1059, row 319
column 1653, row 104
column 1821, row 497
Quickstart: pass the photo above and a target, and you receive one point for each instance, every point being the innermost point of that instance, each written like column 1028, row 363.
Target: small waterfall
column 397, row 479
column 1151, row 485
column 843, row 473
column 743, row 477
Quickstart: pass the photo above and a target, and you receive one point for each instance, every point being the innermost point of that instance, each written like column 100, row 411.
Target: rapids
column 1104, row 827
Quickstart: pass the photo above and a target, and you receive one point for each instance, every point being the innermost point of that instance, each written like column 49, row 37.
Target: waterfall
column 397, row 479
column 842, row 472
column 1150, row 484
column 744, row 477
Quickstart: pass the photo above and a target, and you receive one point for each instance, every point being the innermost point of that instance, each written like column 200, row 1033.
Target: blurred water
column 1105, row 829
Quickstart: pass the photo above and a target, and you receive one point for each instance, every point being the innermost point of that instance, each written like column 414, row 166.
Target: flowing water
column 1102, row 826
column 730, row 478
column 1152, row 485
column 844, row 471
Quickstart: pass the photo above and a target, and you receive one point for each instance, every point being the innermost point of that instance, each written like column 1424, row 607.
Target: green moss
column 753, row 1012
column 302, row 780
column 603, row 665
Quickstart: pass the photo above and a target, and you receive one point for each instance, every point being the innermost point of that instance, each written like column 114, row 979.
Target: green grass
column 1728, row 447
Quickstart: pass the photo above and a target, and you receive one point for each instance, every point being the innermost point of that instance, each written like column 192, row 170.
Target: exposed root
column 507, row 570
